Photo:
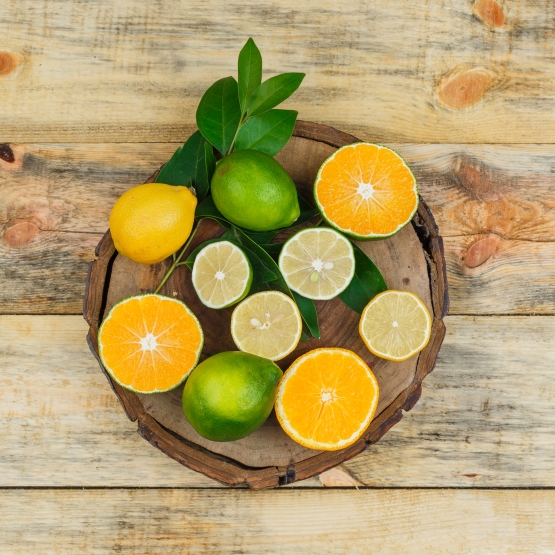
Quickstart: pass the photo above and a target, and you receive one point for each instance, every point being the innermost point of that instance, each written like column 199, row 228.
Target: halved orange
column 327, row 398
column 367, row 191
column 150, row 343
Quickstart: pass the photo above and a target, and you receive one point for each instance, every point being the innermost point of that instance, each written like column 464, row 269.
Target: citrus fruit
column 327, row 398
column 395, row 325
column 367, row 191
column 151, row 221
column 230, row 395
column 267, row 324
column 222, row 274
column 252, row 190
column 150, row 343
column 318, row 263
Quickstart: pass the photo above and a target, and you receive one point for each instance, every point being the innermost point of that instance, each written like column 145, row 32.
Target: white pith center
column 395, row 324
column 256, row 323
column 220, row 275
column 327, row 395
column 318, row 266
column 149, row 343
column 365, row 190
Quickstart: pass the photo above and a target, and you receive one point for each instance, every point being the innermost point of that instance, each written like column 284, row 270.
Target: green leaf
column 366, row 283
column 274, row 91
column 205, row 172
column 207, row 209
column 308, row 312
column 268, row 132
column 219, row 113
column 273, row 249
column 260, row 237
column 306, row 308
column 249, row 73
column 187, row 163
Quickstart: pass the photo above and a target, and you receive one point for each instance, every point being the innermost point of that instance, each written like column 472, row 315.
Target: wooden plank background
column 97, row 94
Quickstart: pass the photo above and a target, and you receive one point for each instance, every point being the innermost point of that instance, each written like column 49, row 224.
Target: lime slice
column 267, row 324
column 395, row 325
column 222, row 274
column 317, row 263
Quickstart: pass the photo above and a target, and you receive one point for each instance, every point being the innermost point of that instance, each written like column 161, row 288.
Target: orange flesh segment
column 150, row 343
column 329, row 398
column 367, row 189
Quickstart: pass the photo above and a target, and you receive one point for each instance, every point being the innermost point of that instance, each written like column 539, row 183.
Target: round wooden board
column 411, row 260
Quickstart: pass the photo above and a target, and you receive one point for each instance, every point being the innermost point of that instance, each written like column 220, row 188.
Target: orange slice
column 367, row 191
column 150, row 343
column 327, row 398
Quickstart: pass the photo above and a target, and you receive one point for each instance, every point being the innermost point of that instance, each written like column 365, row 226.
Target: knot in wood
column 481, row 251
column 463, row 87
column 490, row 12
column 20, row 233
column 9, row 62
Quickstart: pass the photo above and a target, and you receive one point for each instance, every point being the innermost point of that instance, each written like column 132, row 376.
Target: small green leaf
column 268, row 132
column 205, row 172
column 207, row 209
column 249, row 73
column 366, row 283
column 274, row 91
column 309, row 314
column 260, row 236
column 306, row 308
column 186, row 164
column 273, row 249
column 219, row 113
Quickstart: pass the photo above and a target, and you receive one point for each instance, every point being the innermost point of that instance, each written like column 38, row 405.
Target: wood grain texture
column 443, row 71
column 413, row 259
column 308, row 521
column 55, row 201
column 484, row 418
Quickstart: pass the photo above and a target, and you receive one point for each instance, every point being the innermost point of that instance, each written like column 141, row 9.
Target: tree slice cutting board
column 411, row 260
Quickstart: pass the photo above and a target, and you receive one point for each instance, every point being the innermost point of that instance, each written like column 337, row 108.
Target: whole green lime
column 230, row 395
column 252, row 190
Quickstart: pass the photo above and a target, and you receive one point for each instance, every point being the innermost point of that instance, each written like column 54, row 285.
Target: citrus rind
column 347, row 279
column 348, row 232
column 234, row 299
column 110, row 371
column 307, row 442
column 388, row 356
column 295, row 340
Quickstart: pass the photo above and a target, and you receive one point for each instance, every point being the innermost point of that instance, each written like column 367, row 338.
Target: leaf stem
column 177, row 259
column 241, row 122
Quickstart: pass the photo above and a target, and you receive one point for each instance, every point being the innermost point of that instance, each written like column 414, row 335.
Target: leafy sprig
column 241, row 114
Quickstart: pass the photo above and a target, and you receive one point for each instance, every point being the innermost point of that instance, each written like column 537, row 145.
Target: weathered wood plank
column 507, row 190
column 61, row 423
column 388, row 71
column 495, row 206
column 485, row 417
column 307, row 521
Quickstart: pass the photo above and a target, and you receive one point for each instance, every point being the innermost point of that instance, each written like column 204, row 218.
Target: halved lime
column 267, row 324
column 222, row 274
column 318, row 263
column 395, row 325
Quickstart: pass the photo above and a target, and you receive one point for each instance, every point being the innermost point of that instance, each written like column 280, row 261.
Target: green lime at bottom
column 230, row 395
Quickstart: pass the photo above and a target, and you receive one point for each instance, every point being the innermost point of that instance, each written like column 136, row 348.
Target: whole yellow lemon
column 150, row 222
